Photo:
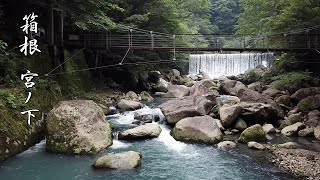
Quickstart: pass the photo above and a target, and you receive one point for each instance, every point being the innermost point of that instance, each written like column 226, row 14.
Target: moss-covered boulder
column 253, row 133
column 77, row 126
column 201, row 129
column 309, row 103
column 125, row 160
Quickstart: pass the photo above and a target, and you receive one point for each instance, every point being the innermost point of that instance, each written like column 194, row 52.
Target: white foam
column 119, row 145
column 169, row 141
column 36, row 148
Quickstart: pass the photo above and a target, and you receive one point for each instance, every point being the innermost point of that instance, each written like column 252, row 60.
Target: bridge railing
column 107, row 40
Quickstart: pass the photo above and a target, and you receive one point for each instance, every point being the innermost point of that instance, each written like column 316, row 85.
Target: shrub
column 293, row 81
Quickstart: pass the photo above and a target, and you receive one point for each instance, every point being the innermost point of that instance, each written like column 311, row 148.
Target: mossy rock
column 253, row 133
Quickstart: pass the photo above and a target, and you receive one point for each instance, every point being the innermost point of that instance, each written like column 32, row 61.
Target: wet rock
column 253, row 133
column 127, row 105
column 288, row 145
column 229, row 114
column 132, row 96
column 146, row 118
column 241, row 125
column 77, row 126
column 256, row 146
column 292, row 130
column 268, row 128
column 225, row 99
column 145, row 96
column 124, row 160
column 177, row 109
column 309, row 103
column 147, row 131
column 226, row 145
column 317, row 132
column 202, row 129
column 305, row 92
column 138, row 123
column 306, row 132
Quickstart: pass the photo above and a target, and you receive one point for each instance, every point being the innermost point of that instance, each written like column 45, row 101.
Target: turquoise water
column 163, row 158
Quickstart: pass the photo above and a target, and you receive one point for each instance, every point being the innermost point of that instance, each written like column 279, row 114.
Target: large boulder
column 294, row 118
column 77, row 126
column 229, row 114
column 253, row 133
column 145, row 96
column 273, row 93
column 203, row 88
column 147, row 131
column 177, row 91
column 231, row 87
column 256, row 86
column 283, row 99
column 132, row 96
column 268, row 128
column 177, row 109
column 292, row 130
column 305, row 92
column 309, row 103
column 127, row 105
column 258, row 113
column 247, row 95
column 161, row 85
column 124, row 160
column 202, row 129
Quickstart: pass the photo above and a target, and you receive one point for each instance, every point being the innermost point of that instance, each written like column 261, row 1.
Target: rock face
column 292, row 129
column 258, row 113
column 128, row 105
column 125, row 160
column 268, row 128
column 147, row 131
column 145, row 96
column 256, row 146
column 229, row 114
column 202, row 129
column 253, row 133
column 305, row 92
column 226, row 145
column 77, row 126
column 177, row 109
column 247, row 95
column 309, row 103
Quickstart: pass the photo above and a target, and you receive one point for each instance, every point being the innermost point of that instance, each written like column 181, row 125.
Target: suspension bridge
column 299, row 41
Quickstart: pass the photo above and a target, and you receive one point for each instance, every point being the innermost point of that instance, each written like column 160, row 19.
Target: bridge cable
column 65, row 61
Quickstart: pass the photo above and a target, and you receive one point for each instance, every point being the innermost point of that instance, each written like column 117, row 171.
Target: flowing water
column 227, row 64
column 163, row 158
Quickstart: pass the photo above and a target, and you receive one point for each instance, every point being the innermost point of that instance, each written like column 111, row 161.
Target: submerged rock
column 124, row 160
column 226, row 145
column 201, row 129
column 177, row 109
column 147, row 131
column 256, row 146
column 127, row 105
column 253, row 133
column 292, row 130
column 77, row 126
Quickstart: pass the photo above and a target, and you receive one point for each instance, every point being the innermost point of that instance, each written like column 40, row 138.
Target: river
column 163, row 158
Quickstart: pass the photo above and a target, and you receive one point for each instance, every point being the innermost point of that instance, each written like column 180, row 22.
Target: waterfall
column 227, row 64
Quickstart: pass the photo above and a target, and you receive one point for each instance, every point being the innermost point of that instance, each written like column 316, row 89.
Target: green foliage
column 293, row 81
